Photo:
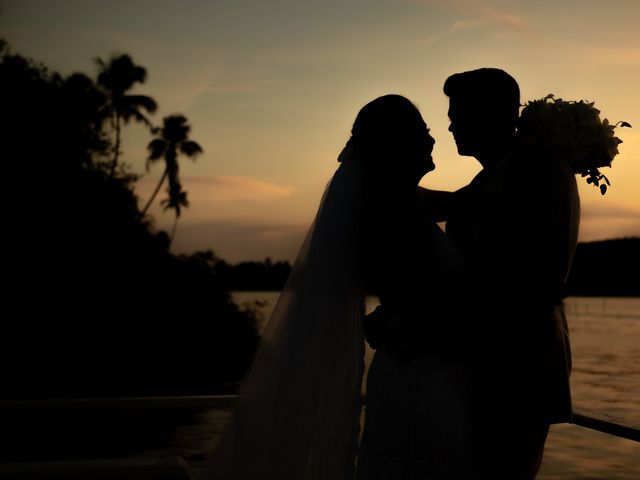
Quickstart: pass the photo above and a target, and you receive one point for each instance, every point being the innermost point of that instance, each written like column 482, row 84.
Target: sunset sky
column 271, row 88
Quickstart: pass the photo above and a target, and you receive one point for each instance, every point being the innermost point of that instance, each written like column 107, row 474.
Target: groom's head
column 483, row 109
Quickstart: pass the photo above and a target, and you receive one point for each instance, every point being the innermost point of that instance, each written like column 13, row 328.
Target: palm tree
column 177, row 198
column 172, row 139
column 116, row 77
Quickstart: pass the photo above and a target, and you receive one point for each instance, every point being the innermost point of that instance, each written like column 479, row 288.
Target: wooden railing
column 602, row 422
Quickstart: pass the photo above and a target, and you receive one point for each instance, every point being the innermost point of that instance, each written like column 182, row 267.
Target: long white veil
column 297, row 416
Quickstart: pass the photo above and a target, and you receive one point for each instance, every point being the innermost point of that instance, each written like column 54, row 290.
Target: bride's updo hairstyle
column 386, row 136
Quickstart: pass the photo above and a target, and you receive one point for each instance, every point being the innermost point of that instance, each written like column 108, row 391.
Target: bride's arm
column 405, row 264
column 436, row 204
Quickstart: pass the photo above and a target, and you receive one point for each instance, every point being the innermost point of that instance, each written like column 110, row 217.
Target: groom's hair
column 491, row 90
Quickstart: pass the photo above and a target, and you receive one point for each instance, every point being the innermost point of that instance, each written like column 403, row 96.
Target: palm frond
column 100, row 63
column 175, row 201
column 139, row 74
column 175, row 121
column 141, row 101
column 191, row 149
column 139, row 117
column 175, row 128
column 157, row 147
column 119, row 74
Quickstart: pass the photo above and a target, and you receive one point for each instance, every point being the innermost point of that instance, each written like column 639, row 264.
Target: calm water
column 605, row 337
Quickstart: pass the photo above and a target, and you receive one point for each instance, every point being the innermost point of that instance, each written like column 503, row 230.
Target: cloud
column 599, row 54
column 226, row 198
column 182, row 88
column 224, row 188
column 244, row 188
column 484, row 15
column 477, row 13
column 472, row 15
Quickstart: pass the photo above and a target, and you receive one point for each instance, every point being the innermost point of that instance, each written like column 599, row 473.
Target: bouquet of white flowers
column 571, row 131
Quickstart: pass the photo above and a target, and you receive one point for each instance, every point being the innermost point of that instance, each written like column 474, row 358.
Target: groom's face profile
column 466, row 125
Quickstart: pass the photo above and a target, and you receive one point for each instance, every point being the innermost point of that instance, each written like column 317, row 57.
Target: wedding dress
column 418, row 411
column 297, row 415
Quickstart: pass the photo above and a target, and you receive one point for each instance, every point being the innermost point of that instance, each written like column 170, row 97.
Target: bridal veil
column 297, row 415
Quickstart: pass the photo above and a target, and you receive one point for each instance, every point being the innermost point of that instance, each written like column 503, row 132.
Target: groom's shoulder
column 537, row 172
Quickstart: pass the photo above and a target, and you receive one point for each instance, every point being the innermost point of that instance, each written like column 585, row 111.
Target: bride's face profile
column 393, row 142
column 424, row 150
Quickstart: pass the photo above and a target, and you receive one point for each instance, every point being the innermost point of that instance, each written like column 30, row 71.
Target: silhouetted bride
column 298, row 413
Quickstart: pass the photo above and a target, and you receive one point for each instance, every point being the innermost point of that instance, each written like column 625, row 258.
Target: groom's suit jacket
column 517, row 226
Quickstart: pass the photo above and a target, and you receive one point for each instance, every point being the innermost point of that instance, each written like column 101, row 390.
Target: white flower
column 570, row 131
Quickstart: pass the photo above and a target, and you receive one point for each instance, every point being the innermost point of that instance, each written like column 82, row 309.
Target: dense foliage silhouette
column 254, row 276
column 96, row 304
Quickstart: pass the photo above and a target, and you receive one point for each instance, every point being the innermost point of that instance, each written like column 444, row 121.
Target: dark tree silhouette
column 172, row 140
column 606, row 268
column 82, row 267
column 254, row 276
column 116, row 77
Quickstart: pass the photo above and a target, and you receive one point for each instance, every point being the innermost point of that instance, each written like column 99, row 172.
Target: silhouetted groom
column 517, row 224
